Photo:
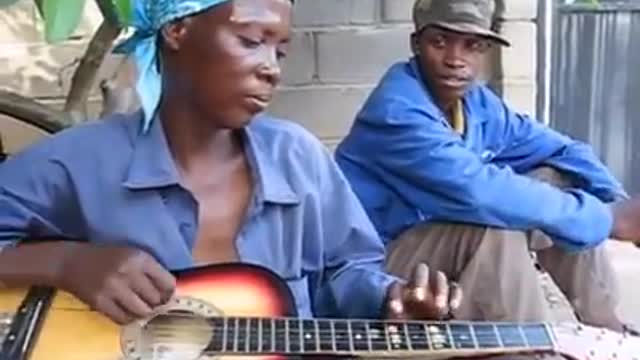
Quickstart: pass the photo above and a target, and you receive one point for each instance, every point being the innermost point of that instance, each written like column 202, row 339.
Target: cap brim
column 466, row 28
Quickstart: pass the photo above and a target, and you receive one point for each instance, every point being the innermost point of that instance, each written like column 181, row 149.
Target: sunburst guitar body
column 236, row 311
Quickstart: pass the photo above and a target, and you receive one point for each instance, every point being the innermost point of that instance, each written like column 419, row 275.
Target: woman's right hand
column 122, row 283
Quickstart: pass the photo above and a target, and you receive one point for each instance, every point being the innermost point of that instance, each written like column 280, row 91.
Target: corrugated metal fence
column 595, row 81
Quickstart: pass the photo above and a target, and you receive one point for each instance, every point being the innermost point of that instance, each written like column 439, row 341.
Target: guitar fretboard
column 302, row 336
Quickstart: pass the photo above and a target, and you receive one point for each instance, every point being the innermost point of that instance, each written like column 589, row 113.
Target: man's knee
column 449, row 246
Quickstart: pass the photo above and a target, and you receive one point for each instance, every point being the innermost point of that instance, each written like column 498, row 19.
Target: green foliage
column 62, row 17
column 125, row 12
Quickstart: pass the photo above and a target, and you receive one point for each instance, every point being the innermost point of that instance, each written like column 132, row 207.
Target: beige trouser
column 495, row 269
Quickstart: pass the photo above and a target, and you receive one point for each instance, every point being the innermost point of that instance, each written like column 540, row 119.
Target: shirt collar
column 152, row 165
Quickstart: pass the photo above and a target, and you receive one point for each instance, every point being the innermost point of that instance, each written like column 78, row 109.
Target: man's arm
column 37, row 203
column 439, row 175
column 530, row 144
column 30, row 185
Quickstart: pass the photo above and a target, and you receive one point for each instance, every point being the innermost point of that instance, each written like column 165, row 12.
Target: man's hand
column 427, row 296
column 626, row 220
column 122, row 283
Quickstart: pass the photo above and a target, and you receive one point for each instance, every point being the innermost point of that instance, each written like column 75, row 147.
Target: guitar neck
column 242, row 335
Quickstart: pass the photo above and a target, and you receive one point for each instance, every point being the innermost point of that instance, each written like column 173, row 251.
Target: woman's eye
column 249, row 42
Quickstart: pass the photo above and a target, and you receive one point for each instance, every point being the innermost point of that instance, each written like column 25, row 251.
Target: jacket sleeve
column 528, row 144
column 422, row 157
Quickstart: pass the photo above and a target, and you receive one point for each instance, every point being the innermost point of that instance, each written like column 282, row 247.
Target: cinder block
column 362, row 55
column 327, row 111
column 334, row 12
column 520, row 9
column 521, row 96
column 300, row 64
column 520, row 60
column 397, row 10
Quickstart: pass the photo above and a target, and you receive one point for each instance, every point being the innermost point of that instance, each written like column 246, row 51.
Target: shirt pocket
column 299, row 287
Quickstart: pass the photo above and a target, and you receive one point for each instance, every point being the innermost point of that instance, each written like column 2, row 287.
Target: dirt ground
column 626, row 261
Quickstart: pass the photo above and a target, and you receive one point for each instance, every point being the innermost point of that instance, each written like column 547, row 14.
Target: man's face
column 226, row 60
column 450, row 61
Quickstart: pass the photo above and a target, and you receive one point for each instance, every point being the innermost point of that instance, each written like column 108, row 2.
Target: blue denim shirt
column 407, row 166
column 108, row 183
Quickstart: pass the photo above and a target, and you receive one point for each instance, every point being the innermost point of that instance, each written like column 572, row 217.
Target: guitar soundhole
column 180, row 330
column 175, row 335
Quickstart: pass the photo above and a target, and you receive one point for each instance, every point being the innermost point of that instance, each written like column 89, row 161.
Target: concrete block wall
column 339, row 51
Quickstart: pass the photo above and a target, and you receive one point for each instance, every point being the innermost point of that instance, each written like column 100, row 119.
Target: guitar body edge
column 72, row 331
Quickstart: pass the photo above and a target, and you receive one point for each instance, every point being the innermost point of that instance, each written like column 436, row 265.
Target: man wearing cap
column 452, row 176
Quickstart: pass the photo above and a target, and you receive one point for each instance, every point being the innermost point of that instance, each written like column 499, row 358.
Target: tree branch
column 85, row 75
column 30, row 111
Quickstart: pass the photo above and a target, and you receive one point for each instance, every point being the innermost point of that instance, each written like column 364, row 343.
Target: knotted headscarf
column 148, row 18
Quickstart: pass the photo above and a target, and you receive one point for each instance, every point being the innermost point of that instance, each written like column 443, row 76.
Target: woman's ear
column 174, row 34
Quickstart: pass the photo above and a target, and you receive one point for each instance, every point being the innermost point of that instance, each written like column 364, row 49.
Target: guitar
column 231, row 311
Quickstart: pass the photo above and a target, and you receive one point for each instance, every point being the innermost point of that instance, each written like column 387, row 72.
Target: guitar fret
column 367, row 330
column 281, row 332
column 428, row 336
column 294, row 336
column 451, row 340
column 537, row 336
column 326, row 336
column 242, row 335
column 495, row 328
column 524, row 337
column 418, row 338
column 510, row 336
column 386, row 335
column 461, row 335
column 378, row 336
column 308, row 336
column 266, row 335
column 253, row 334
column 474, row 337
column 235, row 334
column 260, row 333
column 397, row 339
column 333, row 336
column 341, row 336
column 407, row 338
column 359, row 331
column 351, row 348
column 440, row 336
column 317, row 335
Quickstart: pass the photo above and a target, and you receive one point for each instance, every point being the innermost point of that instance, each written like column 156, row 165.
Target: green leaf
column 61, row 18
column 5, row 3
column 125, row 11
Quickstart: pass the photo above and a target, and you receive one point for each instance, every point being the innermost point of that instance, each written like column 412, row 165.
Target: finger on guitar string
column 163, row 280
column 144, row 287
column 455, row 296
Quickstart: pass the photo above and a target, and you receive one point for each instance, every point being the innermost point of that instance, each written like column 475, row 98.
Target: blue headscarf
column 149, row 17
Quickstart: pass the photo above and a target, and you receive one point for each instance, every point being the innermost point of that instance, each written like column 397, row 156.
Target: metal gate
column 594, row 89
